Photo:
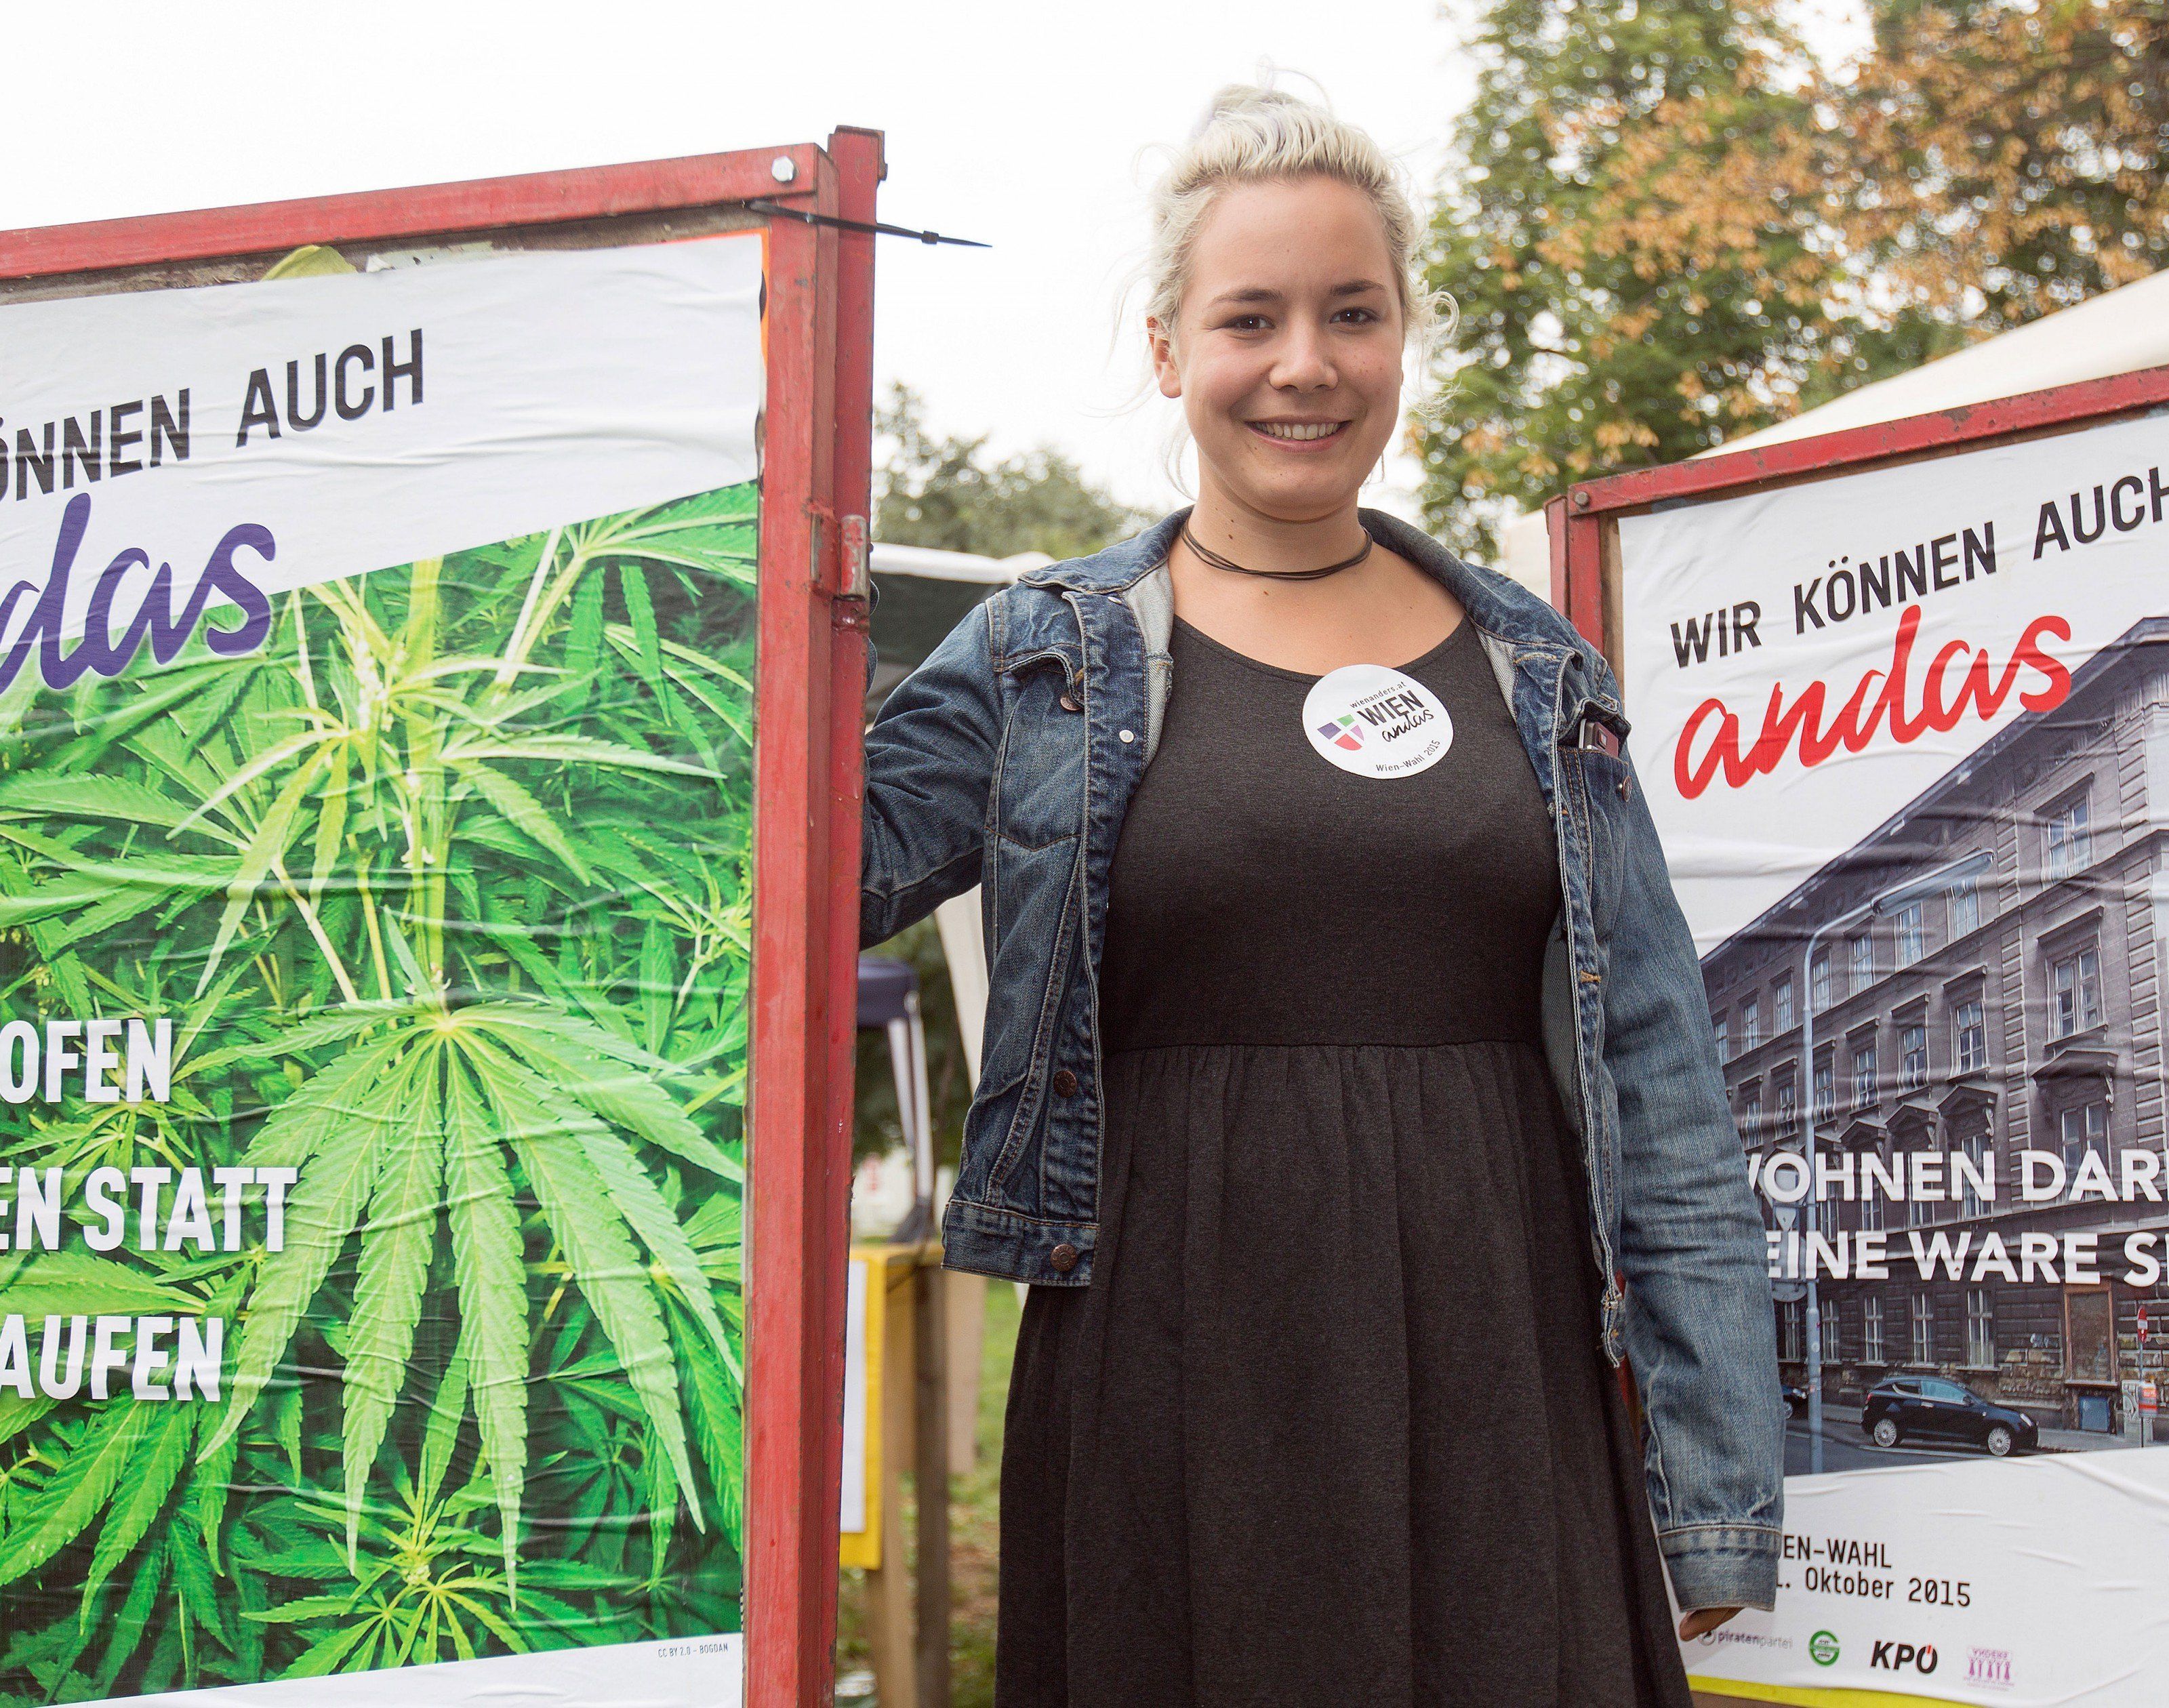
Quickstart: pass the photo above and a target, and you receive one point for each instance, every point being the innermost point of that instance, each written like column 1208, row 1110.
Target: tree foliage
column 952, row 494
column 1674, row 225
column 1983, row 163
column 1575, row 354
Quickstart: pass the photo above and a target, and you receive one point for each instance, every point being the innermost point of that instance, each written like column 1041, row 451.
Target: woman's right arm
column 930, row 761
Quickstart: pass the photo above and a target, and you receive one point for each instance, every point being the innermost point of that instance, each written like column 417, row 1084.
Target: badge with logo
column 1376, row 721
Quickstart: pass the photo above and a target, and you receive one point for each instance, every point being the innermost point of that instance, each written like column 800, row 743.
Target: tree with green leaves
column 1669, row 227
column 1983, row 163
column 1581, row 348
column 950, row 493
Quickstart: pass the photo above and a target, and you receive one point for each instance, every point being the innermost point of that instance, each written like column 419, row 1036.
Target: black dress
column 1331, row 1425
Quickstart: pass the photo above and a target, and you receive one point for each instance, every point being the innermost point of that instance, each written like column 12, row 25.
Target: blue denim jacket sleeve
column 1698, row 1326
column 929, row 757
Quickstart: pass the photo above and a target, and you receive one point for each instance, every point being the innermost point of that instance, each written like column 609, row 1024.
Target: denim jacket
column 1007, row 760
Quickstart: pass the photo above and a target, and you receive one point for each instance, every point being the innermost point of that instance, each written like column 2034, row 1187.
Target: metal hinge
column 856, row 565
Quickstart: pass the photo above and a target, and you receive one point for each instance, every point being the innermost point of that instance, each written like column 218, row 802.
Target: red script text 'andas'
column 1950, row 687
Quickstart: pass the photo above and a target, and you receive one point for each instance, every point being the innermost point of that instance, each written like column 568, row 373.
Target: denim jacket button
column 1070, row 705
column 1626, row 787
column 1064, row 1257
column 1065, row 1082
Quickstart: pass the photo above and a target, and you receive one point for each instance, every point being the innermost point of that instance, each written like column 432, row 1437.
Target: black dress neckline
column 1191, row 631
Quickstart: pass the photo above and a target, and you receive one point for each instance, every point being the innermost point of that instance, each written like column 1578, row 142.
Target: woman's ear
column 1162, row 345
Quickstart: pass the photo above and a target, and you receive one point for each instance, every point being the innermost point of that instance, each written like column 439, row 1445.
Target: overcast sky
column 1019, row 124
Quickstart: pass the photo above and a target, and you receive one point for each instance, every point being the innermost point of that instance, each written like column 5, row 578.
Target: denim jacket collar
column 1122, row 565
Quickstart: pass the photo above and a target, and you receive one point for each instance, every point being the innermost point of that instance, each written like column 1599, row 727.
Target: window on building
column 1724, row 1036
column 1833, row 1348
column 1750, row 1022
column 1862, row 953
column 1912, row 933
column 1871, row 1330
column 2075, row 993
column 1965, row 907
column 1947, row 1206
column 1789, row 1107
column 1924, row 1329
column 1782, row 1017
column 1913, row 1054
column 1872, row 1202
column 1863, row 1075
column 1818, row 981
column 1969, row 1036
column 1793, row 1329
column 1750, row 1113
column 1975, row 1147
column 1981, row 1328
column 1826, row 1219
column 1825, row 1090
column 2070, row 836
column 2082, row 1129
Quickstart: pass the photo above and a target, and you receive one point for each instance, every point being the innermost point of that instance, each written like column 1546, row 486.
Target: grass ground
column 972, row 1534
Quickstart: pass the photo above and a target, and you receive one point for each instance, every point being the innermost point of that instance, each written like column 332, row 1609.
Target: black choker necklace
column 1217, row 562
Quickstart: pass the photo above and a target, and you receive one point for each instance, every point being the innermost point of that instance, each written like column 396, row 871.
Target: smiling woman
column 1348, row 1096
column 1288, row 366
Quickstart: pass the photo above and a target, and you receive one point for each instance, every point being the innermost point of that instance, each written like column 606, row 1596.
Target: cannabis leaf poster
column 376, row 818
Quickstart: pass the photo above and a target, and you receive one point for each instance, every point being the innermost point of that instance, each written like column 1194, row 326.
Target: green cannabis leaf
column 446, row 891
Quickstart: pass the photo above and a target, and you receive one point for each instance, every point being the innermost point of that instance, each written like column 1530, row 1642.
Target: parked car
column 1796, row 1399
column 1929, row 1406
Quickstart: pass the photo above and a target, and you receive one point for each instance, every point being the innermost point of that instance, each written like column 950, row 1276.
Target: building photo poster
column 376, row 656
column 1905, row 734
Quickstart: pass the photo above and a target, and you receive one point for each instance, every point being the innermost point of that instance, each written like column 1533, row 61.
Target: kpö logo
column 1895, row 1657
column 99, row 650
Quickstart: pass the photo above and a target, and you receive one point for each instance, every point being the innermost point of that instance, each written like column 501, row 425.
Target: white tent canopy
column 2118, row 332
column 953, row 565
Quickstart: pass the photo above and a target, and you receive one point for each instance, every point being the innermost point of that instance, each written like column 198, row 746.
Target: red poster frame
column 816, row 473
column 1583, row 522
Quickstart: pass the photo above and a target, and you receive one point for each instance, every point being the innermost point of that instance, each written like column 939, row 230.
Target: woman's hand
column 1702, row 1618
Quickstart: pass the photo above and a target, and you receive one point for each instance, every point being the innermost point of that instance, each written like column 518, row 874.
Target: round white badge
column 1376, row 721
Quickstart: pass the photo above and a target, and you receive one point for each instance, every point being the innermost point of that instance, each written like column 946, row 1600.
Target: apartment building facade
column 1982, row 975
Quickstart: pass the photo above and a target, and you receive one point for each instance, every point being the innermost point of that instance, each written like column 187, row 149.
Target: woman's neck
column 1257, row 541
column 1382, row 610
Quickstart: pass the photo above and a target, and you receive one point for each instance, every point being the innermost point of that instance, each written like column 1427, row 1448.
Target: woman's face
column 1286, row 352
